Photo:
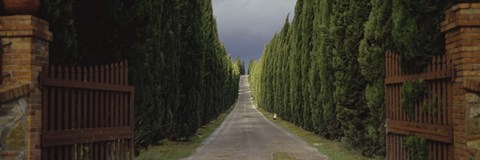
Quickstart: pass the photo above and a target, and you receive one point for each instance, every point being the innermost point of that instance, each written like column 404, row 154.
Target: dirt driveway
column 247, row 135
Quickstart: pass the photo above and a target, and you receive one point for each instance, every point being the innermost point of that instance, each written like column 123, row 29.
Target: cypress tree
column 251, row 66
column 327, row 72
column 318, row 124
column 285, row 69
column 295, row 69
column 376, row 40
column 242, row 68
column 209, row 60
column 349, row 15
column 282, row 69
column 274, row 73
column 188, row 32
column 305, row 49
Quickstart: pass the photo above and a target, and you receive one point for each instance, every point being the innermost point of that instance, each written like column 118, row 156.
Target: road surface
column 247, row 135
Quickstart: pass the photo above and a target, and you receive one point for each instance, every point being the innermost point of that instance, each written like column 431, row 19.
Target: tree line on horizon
column 182, row 74
column 325, row 70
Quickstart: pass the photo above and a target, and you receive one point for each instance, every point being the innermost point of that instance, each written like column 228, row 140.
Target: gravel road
column 247, row 135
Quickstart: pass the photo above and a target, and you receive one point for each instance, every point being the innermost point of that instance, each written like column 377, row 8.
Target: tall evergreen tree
column 349, row 15
column 318, row 124
column 327, row 72
column 376, row 40
column 305, row 48
column 295, row 69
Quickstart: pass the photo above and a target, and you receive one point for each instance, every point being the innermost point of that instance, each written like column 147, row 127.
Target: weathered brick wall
column 23, row 59
column 462, row 29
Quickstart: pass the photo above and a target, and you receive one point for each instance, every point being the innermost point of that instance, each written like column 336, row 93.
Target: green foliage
column 251, row 65
column 325, row 71
column 317, row 121
column 60, row 15
column 412, row 91
column 348, row 16
column 182, row 73
column 417, row 147
column 305, row 48
column 295, row 66
column 242, row 68
column 376, row 40
column 418, row 21
column 375, row 130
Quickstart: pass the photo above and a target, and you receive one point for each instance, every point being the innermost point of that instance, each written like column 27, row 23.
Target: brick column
column 26, row 40
column 462, row 39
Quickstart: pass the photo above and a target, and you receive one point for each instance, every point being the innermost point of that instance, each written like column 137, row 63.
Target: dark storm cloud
column 245, row 26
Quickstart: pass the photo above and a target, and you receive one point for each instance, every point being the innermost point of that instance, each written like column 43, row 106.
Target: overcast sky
column 245, row 26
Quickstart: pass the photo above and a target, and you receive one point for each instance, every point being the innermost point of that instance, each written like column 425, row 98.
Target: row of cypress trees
column 324, row 71
column 182, row 73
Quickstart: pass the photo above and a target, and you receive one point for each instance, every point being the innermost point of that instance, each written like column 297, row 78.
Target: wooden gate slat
column 96, row 101
column 396, row 148
column 90, row 107
column 116, row 98
column 404, row 152
column 430, row 151
column 444, row 101
column 112, row 95
column 445, row 152
column 132, row 124
column 68, row 108
column 429, row 101
column 44, row 105
column 398, row 104
column 121, row 102
column 438, row 99
column 60, row 106
column 389, row 148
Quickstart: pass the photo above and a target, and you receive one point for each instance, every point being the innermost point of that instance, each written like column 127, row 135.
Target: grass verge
column 334, row 150
column 173, row 150
column 282, row 156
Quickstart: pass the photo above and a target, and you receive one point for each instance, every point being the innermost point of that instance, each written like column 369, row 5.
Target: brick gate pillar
column 25, row 41
column 462, row 39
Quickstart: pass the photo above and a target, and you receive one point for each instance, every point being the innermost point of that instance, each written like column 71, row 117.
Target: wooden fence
column 87, row 113
column 434, row 123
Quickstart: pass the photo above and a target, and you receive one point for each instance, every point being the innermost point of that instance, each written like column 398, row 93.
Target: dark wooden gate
column 87, row 113
column 436, row 127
